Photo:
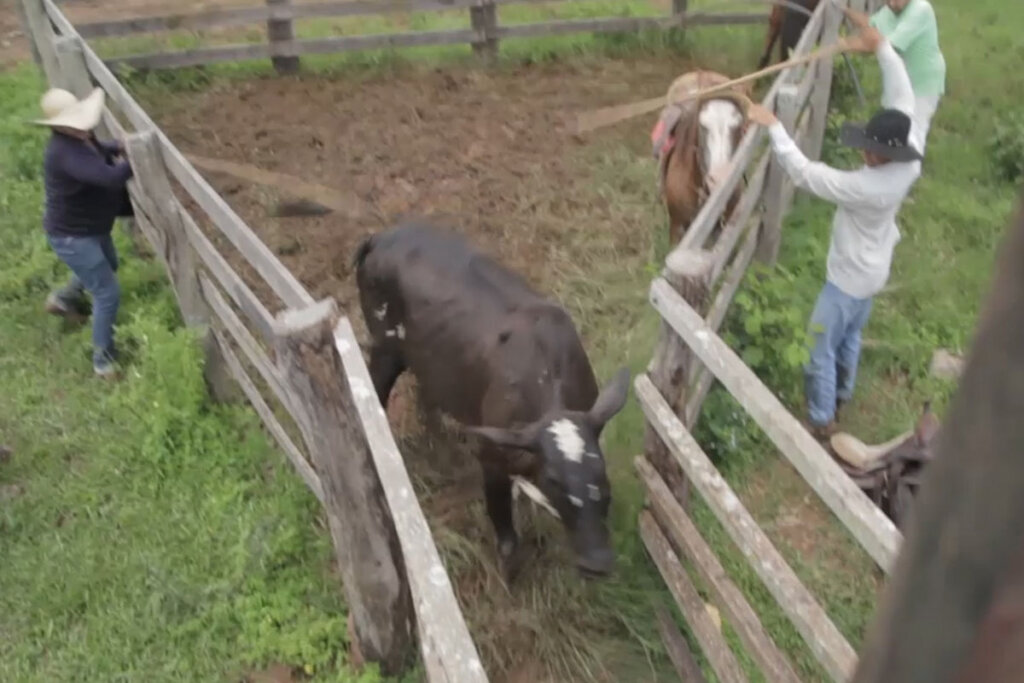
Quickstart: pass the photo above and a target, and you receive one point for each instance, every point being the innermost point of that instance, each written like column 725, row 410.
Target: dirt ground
column 488, row 152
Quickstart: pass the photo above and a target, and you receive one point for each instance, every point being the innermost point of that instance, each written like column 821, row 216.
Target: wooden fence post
column 158, row 217
column 26, row 29
column 282, row 31
column 673, row 366
column 41, row 36
column 365, row 541
column 822, row 90
column 787, row 109
column 484, row 20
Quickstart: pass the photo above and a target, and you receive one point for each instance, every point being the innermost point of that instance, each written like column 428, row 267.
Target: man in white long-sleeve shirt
column 864, row 232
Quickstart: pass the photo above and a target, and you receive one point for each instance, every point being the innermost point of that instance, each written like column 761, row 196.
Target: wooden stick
column 333, row 199
column 607, row 116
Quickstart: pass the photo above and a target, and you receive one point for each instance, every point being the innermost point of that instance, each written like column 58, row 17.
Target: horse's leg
column 774, row 27
column 673, row 199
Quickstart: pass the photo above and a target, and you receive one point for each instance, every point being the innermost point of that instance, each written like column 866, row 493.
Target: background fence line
column 484, row 33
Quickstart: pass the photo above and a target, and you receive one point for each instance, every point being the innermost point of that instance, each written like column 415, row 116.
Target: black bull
column 505, row 362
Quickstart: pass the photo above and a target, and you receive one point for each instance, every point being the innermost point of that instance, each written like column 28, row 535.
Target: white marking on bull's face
column 595, row 493
column 568, row 440
column 400, row 330
column 576, row 501
column 719, row 120
column 381, row 312
column 527, row 487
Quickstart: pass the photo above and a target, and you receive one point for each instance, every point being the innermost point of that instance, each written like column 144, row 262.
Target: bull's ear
column 525, row 438
column 610, row 400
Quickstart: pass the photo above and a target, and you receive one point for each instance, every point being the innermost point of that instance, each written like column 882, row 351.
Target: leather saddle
column 890, row 474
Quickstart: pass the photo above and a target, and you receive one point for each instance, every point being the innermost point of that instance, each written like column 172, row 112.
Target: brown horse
column 694, row 141
column 789, row 24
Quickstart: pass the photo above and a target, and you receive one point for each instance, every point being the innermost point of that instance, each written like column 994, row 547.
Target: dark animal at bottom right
column 892, row 480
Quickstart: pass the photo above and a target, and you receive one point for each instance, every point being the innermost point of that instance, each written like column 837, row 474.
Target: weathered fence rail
column 307, row 360
column 700, row 279
column 484, row 32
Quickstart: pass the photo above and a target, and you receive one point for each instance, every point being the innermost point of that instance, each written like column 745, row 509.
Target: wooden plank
column 362, row 526
column 270, row 421
column 281, row 30
column 240, row 16
column 343, row 200
column 712, row 642
column 26, row 30
column 254, row 353
column 685, row 536
column 737, row 225
column 186, row 21
column 198, row 56
column 280, row 279
column 716, row 315
column 41, row 36
column 787, row 110
column 711, row 211
column 824, row 639
column 832, row 18
column 447, row 649
column 348, row 8
column 599, row 25
column 228, row 279
column 387, row 40
column 623, row 24
column 235, row 53
column 875, row 532
column 678, row 651
column 672, row 365
column 154, row 197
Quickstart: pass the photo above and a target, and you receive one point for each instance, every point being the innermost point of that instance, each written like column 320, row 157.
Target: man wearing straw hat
column 864, row 231
column 86, row 182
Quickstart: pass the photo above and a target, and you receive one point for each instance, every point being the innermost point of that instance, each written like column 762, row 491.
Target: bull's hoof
column 511, row 559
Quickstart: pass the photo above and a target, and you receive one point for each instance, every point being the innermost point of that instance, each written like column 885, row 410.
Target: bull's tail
column 362, row 252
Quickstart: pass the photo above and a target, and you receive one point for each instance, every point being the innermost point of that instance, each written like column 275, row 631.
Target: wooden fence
column 312, row 370
column 279, row 16
column 693, row 294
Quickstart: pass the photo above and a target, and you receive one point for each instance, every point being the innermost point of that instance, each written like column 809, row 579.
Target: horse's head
column 722, row 121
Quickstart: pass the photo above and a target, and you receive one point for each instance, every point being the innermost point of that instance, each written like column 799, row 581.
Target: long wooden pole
column 599, row 118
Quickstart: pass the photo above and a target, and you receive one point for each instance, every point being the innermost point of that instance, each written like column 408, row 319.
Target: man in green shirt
column 910, row 26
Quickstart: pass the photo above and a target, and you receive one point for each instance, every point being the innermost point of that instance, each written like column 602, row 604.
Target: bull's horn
column 860, row 455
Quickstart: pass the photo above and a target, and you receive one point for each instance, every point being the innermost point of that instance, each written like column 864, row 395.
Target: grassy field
column 146, row 534
column 150, row 535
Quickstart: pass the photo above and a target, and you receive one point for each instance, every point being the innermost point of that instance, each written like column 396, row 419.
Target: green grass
column 951, row 228
column 209, row 535
column 146, row 534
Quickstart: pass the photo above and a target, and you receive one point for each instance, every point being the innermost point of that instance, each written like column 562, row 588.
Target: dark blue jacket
column 86, row 189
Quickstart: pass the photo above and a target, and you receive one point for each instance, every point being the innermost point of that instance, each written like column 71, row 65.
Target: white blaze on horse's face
column 719, row 121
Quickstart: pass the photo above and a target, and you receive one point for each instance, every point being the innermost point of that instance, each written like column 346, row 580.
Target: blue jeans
column 836, row 325
column 93, row 263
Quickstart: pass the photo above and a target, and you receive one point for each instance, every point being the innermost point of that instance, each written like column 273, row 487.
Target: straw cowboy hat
column 62, row 109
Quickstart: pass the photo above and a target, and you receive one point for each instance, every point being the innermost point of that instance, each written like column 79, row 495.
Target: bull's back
column 462, row 323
